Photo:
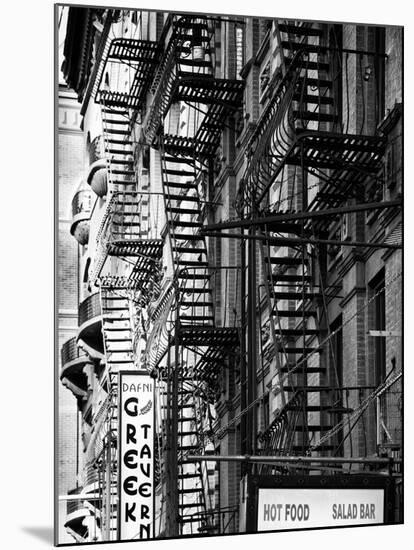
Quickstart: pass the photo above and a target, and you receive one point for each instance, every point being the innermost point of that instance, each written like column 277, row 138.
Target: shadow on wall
column 42, row 533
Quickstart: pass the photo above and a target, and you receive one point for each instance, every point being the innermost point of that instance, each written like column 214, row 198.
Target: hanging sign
column 136, row 456
column 281, row 508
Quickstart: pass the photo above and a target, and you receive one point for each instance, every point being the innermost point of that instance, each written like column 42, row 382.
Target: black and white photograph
column 228, row 274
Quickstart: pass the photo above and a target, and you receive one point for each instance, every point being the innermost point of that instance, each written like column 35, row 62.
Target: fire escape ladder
column 194, row 311
column 186, row 73
column 141, row 58
column 118, row 148
column 293, row 347
column 300, row 127
column 195, row 479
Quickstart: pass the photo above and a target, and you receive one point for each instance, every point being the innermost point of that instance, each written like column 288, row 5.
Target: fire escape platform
column 151, row 249
column 333, row 150
column 212, row 337
column 209, row 91
column 142, row 56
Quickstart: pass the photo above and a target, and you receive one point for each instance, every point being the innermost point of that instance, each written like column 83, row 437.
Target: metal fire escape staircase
column 300, row 131
column 186, row 75
column 195, row 335
column 120, row 235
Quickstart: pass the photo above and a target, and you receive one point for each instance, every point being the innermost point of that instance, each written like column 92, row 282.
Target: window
column 336, row 375
column 377, row 286
column 379, row 67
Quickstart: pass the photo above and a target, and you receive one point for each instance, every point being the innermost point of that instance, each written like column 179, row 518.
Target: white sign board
column 136, row 456
column 280, row 508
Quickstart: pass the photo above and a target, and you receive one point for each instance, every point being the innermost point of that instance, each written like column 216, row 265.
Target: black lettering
column 134, row 410
column 145, row 528
column 145, row 452
column 146, row 469
column 129, row 459
column 129, row 512
column 129, row 485
column 144, row 511
column 131, row 432
column 145, row 489
column 146, row 427
column 306, row 512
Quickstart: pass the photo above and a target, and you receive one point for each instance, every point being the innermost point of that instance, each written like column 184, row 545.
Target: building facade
column 239, row 230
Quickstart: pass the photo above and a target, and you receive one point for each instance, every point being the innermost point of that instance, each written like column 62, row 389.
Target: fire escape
column 122, row 237
column 197, row 347
column 301, row 158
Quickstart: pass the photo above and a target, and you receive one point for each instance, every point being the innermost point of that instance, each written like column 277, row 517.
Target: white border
column 27, row 271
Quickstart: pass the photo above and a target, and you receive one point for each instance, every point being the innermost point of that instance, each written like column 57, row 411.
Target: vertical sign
column 136, row 456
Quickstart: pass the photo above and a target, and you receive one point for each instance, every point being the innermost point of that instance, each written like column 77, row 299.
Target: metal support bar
column 290, row 459
column 266, row 220
column 285, row 241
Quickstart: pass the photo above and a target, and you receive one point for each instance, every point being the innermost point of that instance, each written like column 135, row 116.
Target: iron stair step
column 188, row 237
column 123, row 172
column 115, row 160
column 190, row 263
column 188, row 476
column 176, row 172
column 285, row 261
column 198, row 303
column 116, row 132
column 111, row 318
column 313, row 428
column 120, row 141
column 188, row 433
column 126, row 224
column 115, row 121
column 196, row 276
column 296, row 295
column 187, row 447
column 177, row 210
column 180, row 185
column 315, row 82
column 308, row 370
column 196, row 317
column 180, row 198
column 195, row 290
column 321, row 408
column 314, row 99
column 294, row 313
column 188, row 250
column 299, row 31
column 310, row 65
column 194, row 62
column 110, row 340
column 179, row 223
column 291, row 278
column 116, row 329
column 315, row 116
